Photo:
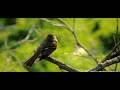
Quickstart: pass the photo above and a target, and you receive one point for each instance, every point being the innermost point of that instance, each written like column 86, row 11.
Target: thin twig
column 53, row 23
column 114, row 39
column 17, row 60
column 117, row 33
column 74, row 24
column 114, row 48
column 8, row 27
column 73, row 33
column 61, row 65
column 25, row 39
column 107, row 56
column 6, row 43
column 11, row 53
column 30, row 32
column 67, row 26
column 115, row 67
column 5, row 64
column 107, row 63
column 77, row 40
column 117, row 40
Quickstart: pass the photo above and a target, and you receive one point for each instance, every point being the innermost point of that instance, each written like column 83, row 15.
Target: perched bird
column 44, row 49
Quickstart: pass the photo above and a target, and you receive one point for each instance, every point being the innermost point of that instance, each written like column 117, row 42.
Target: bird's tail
column 30, row 61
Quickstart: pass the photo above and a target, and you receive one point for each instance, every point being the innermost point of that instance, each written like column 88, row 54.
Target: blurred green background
column 96, row 34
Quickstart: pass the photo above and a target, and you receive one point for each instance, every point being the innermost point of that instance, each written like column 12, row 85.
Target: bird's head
column 51, row 37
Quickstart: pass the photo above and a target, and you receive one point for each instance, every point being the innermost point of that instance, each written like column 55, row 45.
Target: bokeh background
column 96, row 34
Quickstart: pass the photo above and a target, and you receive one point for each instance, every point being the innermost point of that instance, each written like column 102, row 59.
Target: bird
column 48, row 46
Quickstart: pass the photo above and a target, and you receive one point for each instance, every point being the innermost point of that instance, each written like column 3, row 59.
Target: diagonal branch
column 52, row 22
column 25, row 39
column 117, row 43
column 65, row 25
column 114, row 48
column 107, row 63
column 61, row 65
column 76, row 38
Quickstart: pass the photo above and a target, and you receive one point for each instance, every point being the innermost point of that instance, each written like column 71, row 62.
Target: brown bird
column 44, row 49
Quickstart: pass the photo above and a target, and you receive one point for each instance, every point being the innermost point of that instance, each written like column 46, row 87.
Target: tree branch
column 76, row 38
column 25, row 39
column 109, row 54
column 67, row 26
column 64, row 24
column 117, row 33
column 107, row 63
column 117, row 40
column 52, row 22
column 61, row 65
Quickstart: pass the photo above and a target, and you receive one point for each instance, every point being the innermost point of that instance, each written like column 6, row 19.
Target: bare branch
column 30, row 32
column 79, row 44
column 11, row 27
column 53, row 23
column 117, row 33
column 61, row 65
column 74, row 24
column 109, row 54
column 117, row 40
column 107, row 63
column 74, row 34
column 25, row 39
column 77, row 40
column 114, row 39
column 117, row 43
column 116, row 66
column 17, row 60
column 67, row 26
column 50, row 59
